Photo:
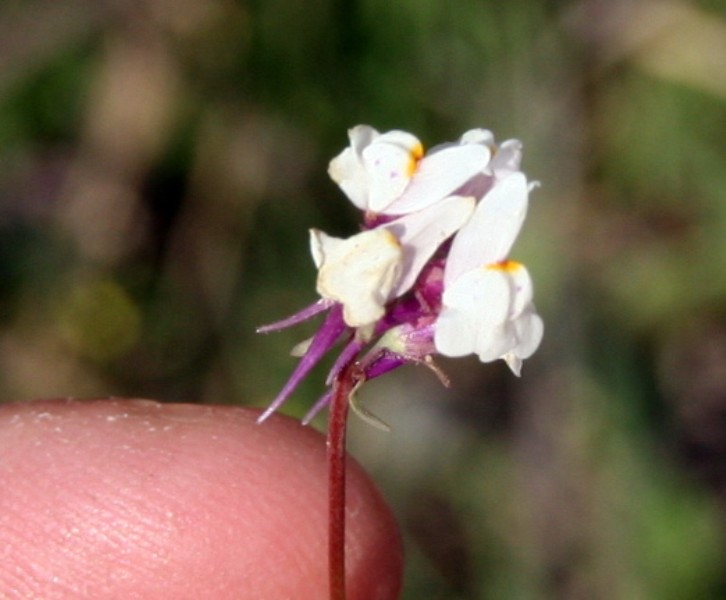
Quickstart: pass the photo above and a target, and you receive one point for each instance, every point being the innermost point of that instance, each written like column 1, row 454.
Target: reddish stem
column 343, row 385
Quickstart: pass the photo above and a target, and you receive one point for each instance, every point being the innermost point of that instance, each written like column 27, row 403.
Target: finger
column 121, row 499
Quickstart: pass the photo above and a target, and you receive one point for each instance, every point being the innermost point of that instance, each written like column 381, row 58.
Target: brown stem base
column 345, row 384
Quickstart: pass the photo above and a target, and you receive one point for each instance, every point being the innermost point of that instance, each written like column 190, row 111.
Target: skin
column 136, row 499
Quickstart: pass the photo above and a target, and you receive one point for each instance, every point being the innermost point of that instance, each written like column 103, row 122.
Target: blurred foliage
column 161, row 161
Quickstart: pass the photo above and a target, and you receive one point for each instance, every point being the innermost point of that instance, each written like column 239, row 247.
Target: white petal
column 475, row 307
column 390, row 161
column 529, row 330
column 514, row 362
column 488, row 236
column 521, row 282
column 359, row 272
column 347, row 171
column 507, row 158
column 422, row 232
column 478, row 136
column 322, row 245
column 361, row 136
column 488, row 311
column 440, row 174
column 347, row 168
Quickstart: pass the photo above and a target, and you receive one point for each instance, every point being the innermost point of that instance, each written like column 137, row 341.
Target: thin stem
column 344, row 385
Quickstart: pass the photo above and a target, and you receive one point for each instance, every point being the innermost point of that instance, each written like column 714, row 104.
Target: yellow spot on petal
column 390, row 238
column 415, row 156
column 509, row 266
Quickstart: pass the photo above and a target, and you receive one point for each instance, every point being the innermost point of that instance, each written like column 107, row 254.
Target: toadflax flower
column 429, row 273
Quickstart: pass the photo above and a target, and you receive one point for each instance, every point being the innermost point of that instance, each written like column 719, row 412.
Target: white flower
column 488, row 311
column 398, row 293
column 506, row 157
column 359, row 272
column 388, row 173
column 366, row 271
column 422, row 232
column 490, row 233
column 487, row 300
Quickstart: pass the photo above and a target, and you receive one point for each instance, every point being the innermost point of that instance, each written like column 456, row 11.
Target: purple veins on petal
column 306, row 313
column 322, row 341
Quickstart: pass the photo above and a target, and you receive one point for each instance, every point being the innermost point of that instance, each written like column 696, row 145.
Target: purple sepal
column 326, row 336
column 348, row 354
column 317, row 407
column 385, row 362
column 303, row 315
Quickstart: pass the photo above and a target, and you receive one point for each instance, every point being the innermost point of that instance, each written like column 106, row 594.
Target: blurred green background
column 162, row 160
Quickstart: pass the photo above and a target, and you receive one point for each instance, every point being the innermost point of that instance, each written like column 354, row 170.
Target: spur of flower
column 429, row 273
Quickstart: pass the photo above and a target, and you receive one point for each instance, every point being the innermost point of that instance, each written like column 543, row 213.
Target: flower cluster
column 429, row 272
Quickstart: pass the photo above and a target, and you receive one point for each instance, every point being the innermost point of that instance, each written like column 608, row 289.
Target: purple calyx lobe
column 409, row 321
